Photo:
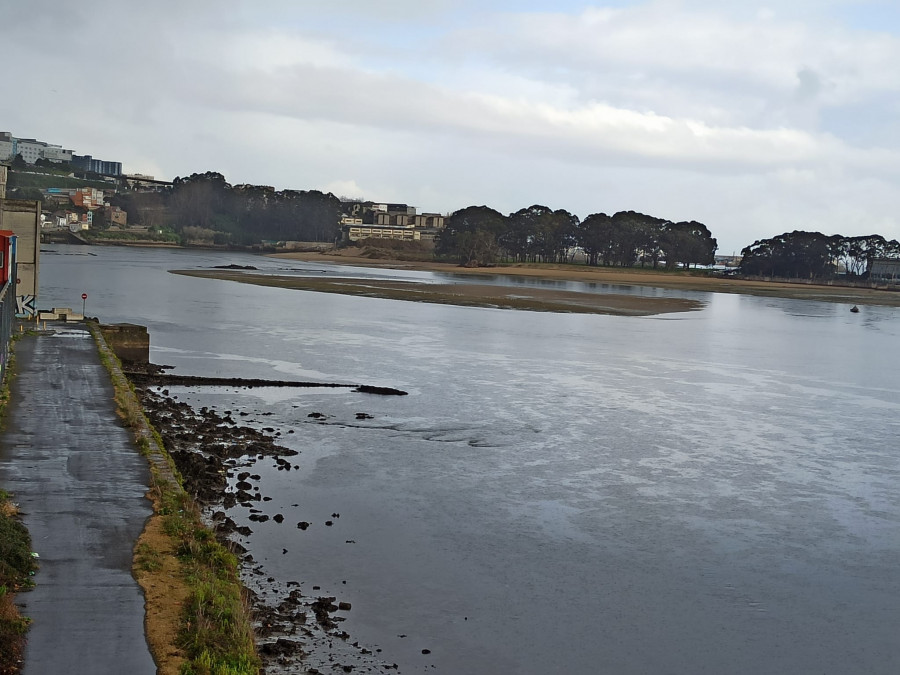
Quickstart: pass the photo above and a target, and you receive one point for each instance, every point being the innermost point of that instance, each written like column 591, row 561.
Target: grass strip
column 198, row 614
column 17, row 566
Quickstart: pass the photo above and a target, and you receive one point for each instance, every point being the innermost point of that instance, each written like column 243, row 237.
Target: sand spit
column 471, row 295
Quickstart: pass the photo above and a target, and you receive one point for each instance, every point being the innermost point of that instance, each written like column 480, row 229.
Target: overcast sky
column 755, row 119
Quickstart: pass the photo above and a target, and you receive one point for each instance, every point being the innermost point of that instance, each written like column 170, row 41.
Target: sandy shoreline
column 637, row 277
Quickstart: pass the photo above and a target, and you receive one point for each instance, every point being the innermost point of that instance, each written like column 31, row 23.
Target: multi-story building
column 363, row 220
column 31, row 149
column 56, row 153
column 357, row 232
column 429, row 221
column 88, row 163
column 87, row 197
column 6, row 146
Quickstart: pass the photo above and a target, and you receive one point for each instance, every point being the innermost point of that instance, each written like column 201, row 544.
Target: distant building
column 364, row 220
column 885, row 270
column 31, row 149
column 88, row 163
column 140, row 182
column 393, row 219
column 117, row 216
column 429, row 221
column 82, row 223
column 357, row 232
column 728, row 260
column 2, row 181
column 87, row 197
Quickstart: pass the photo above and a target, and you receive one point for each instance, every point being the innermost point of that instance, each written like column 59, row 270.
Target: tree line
column 479, row 235
column 813, row 255
column 205, row 208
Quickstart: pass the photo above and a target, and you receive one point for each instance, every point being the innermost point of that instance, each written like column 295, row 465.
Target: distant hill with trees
column 479, row 235
column 813, row 255
column 205, row 208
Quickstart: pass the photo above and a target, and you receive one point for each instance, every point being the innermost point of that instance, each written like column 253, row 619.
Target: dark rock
column 382, row 391
column 281, row 647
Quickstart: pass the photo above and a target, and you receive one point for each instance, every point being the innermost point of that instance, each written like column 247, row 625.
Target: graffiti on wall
column 25, row 306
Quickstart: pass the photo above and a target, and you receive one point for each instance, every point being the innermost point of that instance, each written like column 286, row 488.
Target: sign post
column 83, row 301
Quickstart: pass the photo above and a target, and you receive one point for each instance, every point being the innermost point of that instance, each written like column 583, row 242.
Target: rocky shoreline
column 214, row 452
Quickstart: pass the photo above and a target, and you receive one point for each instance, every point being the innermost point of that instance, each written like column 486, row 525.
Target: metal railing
column 7, row 318
column 7, row 322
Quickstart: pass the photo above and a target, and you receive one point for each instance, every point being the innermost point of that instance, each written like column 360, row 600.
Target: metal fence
column 7, row 319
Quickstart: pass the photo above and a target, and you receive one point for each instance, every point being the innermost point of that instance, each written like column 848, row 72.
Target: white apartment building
column 31, row 149
column 6, row 146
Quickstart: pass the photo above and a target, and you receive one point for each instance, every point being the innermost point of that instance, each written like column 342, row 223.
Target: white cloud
column 754, row 120
column 631, row 53
column 345, row 188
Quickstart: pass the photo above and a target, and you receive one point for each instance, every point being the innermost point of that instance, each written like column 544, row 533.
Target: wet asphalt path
column 80, row 485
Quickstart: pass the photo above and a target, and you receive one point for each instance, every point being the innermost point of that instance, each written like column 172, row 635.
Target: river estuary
column 705, row 492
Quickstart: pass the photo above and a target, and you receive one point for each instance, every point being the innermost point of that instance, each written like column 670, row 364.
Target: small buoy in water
column 854, row 309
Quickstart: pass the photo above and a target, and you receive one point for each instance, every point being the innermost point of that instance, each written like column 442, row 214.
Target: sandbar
column 471, row 295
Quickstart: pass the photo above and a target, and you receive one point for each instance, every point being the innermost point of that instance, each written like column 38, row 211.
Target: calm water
column 713, row 492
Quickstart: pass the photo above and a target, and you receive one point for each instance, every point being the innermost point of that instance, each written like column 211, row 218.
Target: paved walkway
column 80, row 485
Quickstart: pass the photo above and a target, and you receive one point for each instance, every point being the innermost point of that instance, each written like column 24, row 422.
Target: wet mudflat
column 213, row 451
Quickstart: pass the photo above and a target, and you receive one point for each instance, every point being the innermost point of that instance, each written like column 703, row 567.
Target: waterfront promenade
column 80, row 486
